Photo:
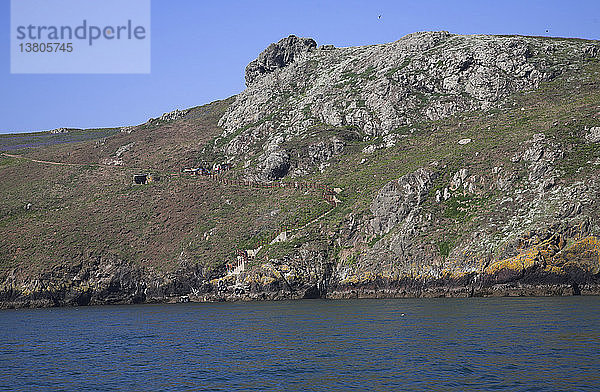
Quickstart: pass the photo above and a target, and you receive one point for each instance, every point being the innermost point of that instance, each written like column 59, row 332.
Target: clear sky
column 200, row 50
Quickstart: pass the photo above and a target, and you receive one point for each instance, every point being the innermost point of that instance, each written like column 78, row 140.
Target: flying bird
column 379, row 17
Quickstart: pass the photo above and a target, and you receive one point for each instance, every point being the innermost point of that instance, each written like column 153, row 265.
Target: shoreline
column 496, row 291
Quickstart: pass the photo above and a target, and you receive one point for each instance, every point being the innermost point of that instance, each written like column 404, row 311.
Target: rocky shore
column 110, row 283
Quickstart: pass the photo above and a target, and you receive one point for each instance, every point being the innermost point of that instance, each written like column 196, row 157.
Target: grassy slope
column 87, row 211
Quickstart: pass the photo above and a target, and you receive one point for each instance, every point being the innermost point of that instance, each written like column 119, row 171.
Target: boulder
column 593, row 135
column 459, row 179
column 275, row 166
column 123, row 149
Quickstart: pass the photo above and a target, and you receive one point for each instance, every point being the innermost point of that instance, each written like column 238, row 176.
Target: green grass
column 458, row 207
column 393, row 70
column 444, row 248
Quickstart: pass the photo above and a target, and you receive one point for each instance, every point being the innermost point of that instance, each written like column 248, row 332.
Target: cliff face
column 451, row 165
column 380, row 90
column 493, row 188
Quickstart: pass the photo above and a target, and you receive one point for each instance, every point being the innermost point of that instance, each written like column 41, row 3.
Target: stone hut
column 142, row 179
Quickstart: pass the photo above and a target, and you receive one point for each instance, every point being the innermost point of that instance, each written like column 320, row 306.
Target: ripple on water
column 509, row 344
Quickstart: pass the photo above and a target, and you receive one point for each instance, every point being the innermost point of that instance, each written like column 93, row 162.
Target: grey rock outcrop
column 593, row 135
column 278, row 55
column 275, row 166
column 323, row 151
column 123, row 149
column 380, row 90
column 169, row 116
column 397, row 199
column 317, row 155
column 459, row 179
column 541, row 155
column 60, row 130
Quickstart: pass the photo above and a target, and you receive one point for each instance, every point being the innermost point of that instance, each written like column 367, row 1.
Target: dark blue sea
column 483, row 344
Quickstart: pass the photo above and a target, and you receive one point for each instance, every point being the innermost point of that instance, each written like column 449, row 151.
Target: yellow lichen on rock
column 584, row 254
column 364, row 277
column 517, row 263
column 266, row 280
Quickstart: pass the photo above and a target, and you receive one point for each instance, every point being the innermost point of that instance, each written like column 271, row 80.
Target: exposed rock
column 446, row 194
column 389, row 86
column 593, row 136
column 123, row 149
column 389, row 140
column 397, row 199
column 505, row 181
column 459, row 179
column 169, row 116
column 322, row 151
column 316, row 155
column 592, row 51
column 536, row 151
column 381, row 88
column 370, row 149
column 275, row 166
column 112, row 161
column 60, row 130
column 278, row 55
column 541, row 155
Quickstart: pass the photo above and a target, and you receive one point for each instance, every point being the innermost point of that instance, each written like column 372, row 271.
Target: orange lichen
column 584, row 253
column 518, row 262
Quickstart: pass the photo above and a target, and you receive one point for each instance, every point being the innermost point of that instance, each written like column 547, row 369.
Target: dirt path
column 314, row 221
column 46, row 162
column 70, row 164
column 283, row 236
column 240, row 266
column 328, row 195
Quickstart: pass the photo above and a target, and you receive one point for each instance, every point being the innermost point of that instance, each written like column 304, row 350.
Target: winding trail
column 54, row 163
column 244, row 255
column 314, row 221
column 49, row 162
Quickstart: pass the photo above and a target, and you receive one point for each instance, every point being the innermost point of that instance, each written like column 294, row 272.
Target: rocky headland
column 462, row 166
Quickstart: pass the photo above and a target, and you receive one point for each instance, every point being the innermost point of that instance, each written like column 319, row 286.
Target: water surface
column 508, row 344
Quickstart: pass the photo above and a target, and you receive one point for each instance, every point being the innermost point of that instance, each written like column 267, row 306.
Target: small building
column 142, row 179
column 192, row 171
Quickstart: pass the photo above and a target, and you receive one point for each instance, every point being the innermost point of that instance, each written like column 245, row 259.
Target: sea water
column 476, row 344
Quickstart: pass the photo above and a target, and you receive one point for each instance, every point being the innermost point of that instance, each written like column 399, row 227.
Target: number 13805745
column 51, row 47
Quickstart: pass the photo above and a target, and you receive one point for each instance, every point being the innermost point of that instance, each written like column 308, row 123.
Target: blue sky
column 200, row 50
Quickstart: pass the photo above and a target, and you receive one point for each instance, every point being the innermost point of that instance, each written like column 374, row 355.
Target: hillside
column 436, row 165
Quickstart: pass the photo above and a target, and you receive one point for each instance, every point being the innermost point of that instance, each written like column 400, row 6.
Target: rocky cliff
column 496, row 203
column 462, row 166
